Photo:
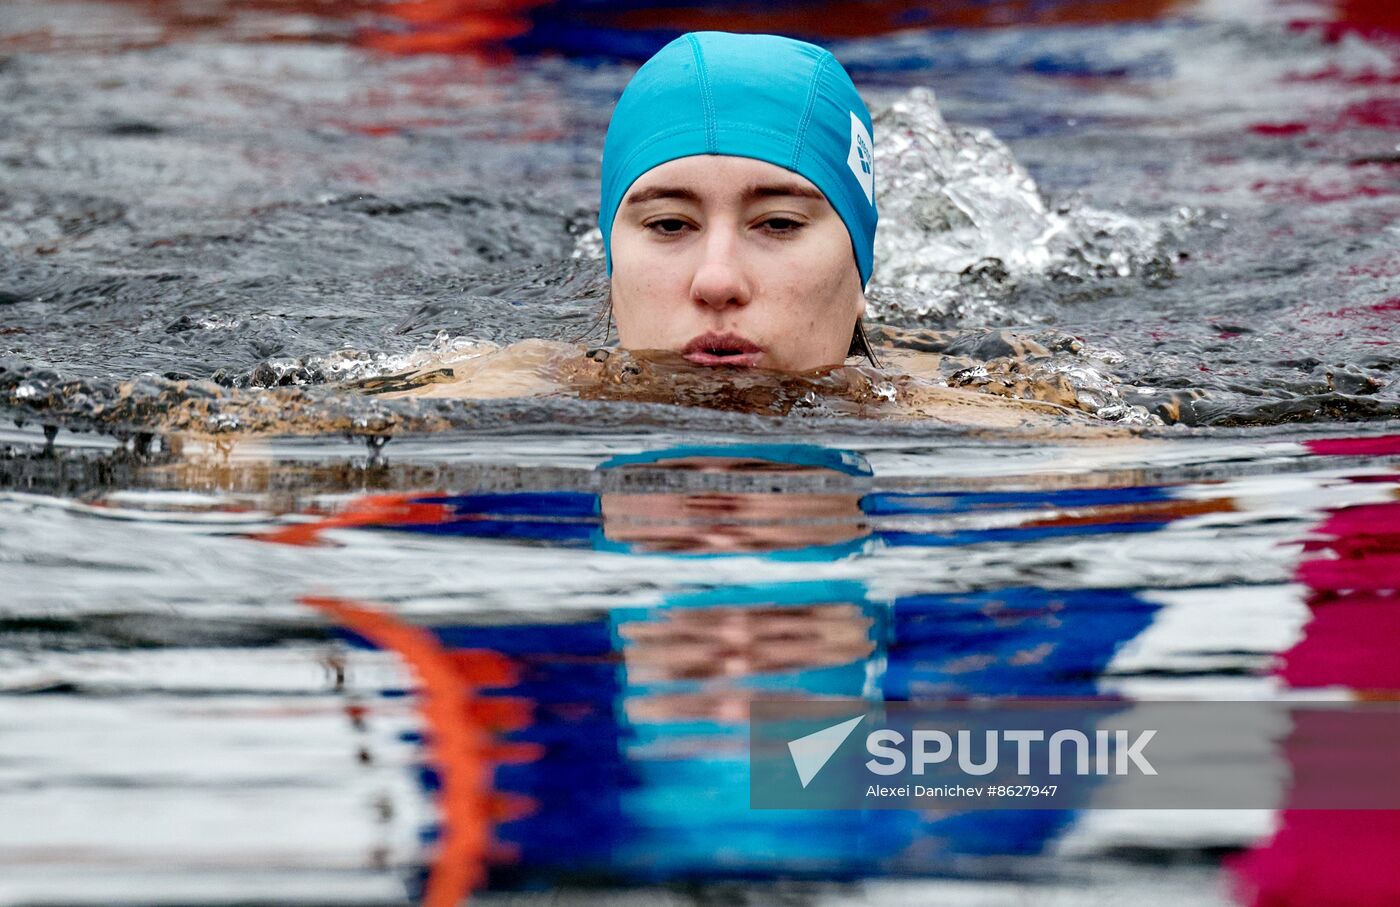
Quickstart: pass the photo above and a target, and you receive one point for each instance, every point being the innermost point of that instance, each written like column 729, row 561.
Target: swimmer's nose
column 720, row 280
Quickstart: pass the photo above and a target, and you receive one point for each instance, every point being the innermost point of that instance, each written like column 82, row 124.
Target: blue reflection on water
column 641, row 711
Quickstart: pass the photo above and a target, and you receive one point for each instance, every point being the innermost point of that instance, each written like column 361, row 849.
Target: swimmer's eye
column 667, row 226
column 782, row 225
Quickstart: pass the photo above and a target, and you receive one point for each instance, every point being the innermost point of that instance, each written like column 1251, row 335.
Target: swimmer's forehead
column 692, row 179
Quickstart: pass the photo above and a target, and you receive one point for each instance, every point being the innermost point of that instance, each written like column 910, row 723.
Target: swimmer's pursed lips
column 714, row 348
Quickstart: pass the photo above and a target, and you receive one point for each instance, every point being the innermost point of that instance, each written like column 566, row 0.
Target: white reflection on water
column 176, row 713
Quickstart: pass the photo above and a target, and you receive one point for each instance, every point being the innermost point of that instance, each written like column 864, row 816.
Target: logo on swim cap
column 861, row 160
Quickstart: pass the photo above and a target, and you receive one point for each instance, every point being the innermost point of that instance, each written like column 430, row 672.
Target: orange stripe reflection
column 459, row 741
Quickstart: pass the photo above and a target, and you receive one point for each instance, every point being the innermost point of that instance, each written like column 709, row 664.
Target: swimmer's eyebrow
column 642, row 196
column 782, row 190
column 750, row 193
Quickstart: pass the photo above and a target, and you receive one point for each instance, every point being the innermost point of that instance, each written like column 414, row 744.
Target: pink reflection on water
column 1352, row 572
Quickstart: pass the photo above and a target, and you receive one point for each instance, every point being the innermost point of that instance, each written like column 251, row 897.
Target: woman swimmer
column 738, row 216
column 738, row 204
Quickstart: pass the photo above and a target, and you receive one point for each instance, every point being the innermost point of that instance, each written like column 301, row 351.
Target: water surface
column 251, row 653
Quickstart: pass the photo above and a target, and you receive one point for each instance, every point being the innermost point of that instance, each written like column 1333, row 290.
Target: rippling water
column 1134, row 439
column 1196, row 203
column 206, row 656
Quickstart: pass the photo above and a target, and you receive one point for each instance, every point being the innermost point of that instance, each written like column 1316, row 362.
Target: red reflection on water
column 1378, row 15
column 478, row 27
column 1376, row 113
column 460, row 727
column 1388, row 305
column 1279, row 128
column 1368, row 18
column 1377, row 318
column 1387, row 445
column 1365, row 77
column 1352, row 571
column 1168, row 511
column 482, row 27
column 460, row 741
column 853, row 18
column 1376, row 21
column 1322, row 189
column 369, row 511
column 1353, row 575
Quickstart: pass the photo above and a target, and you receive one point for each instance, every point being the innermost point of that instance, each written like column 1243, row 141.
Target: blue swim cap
column 765, row 97
column 811, row 455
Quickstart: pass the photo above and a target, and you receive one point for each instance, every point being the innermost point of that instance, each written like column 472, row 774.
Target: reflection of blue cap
column 765, row 97
column 842, row 461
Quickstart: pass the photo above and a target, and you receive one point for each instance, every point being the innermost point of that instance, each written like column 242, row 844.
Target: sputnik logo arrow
column 812, row 752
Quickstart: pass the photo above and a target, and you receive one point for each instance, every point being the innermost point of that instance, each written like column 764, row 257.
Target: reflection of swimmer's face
column 709, row 522
column 740, row 641
column 734, row 261
column 717, row 523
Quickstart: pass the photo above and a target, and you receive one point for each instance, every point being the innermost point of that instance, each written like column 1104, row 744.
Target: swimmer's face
column 733, row 261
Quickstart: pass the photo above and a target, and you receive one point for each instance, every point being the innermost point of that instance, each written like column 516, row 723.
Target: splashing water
column 951, row 197
column 961, row 220
column 1200, row 206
